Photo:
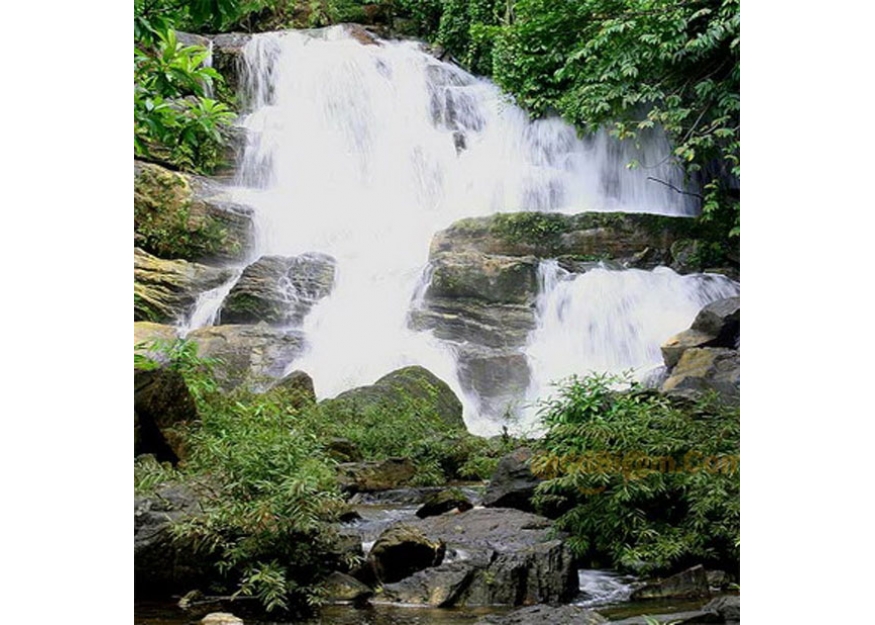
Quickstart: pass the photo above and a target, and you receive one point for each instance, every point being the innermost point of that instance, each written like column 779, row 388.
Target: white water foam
column 364, row 152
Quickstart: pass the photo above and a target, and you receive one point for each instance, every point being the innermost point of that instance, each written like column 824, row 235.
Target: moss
column 164, row 223
column 539, row 229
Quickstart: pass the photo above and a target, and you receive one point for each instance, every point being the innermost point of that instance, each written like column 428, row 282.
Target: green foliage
column 643, row 483
column 634, row 65
column 270, row 526
column 541, row 229
column 627, row 65
column 174, row 120
column 410, row 428
column 149, row 474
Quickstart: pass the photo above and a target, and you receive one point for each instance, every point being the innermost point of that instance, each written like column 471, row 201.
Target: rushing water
column 611, row 321
column 364, row 152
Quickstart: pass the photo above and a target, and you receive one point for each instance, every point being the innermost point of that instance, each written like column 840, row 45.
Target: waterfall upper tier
column 365, row 152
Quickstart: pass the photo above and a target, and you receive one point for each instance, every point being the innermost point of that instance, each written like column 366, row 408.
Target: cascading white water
column 365, row 151
column 611, row 321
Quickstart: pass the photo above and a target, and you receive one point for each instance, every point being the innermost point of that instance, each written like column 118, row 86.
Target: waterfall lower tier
column 364, row 152
column 611, row 321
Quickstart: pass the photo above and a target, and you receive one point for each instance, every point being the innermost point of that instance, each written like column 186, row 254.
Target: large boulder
column 706, row 369
column 513, row 483
column 586, row 236
column 414, row 388
column 494, row 557
column 162, row 404
column 717, row 325
column 162, row 564
column 180, row 216
column 255, row 355
column 279, row 290
column 689, row 584
column 403, row 550
column 165, row 291
column 377, row 475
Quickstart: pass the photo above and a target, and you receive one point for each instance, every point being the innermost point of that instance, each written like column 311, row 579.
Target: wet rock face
column 494, row 557
column 165, row 291
column 279, row 290
column 181, row 216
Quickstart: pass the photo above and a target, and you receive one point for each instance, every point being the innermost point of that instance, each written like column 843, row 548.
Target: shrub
column 642, row 482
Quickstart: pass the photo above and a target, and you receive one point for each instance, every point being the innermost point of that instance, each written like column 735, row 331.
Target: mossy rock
column 279, row 290
column 166, row 290
column 412, row 390
column 643, row 240
column 178, row 216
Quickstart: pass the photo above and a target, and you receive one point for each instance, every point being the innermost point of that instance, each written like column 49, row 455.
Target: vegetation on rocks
column 645, row 483
column 265, row 462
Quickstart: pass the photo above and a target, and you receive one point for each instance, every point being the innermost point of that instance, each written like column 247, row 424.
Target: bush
column 643, row 483
column 269, row 520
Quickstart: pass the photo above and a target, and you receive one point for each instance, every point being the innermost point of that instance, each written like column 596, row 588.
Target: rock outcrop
column 181, row 216
column 407, row 388
column 255, row 355
column 165, row 291
column 484, row 285
column 162, row 403
column 279, row 290
column 494, row 557
column 706, row 357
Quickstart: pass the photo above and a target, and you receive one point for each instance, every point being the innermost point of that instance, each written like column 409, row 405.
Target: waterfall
column 364, row 152
column 611, row 321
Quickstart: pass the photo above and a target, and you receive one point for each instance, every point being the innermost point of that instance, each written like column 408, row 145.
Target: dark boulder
column 444, row 501
column 513, row 483
column 689, row 584
column 494, row 557
column 403, row 550
column 728, row 607
column 162, row 564
column 162, row 403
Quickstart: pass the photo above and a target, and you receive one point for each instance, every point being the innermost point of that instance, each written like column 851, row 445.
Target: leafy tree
column 632, row 65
